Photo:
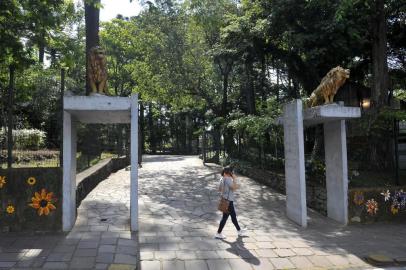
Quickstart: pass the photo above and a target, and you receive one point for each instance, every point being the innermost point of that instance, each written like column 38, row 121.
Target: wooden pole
column 10, row 119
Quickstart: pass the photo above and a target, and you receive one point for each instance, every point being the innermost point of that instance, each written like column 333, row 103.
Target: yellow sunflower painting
column 358, row 197
column 10, row 209
column 31, row 181
column 2, row 181
column 43, row 202
column 394, row 209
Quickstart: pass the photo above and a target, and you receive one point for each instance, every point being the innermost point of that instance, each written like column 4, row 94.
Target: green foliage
column 226, row 64
column 27, row 23
column 25, row 139
column 400, row 94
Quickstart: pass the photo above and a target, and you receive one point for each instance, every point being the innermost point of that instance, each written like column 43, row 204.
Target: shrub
column 26, row 138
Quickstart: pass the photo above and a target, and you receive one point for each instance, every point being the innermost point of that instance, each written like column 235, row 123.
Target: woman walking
column 228, row 184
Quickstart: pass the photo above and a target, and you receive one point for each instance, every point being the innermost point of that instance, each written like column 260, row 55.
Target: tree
column 379, row 54
column 92, row 11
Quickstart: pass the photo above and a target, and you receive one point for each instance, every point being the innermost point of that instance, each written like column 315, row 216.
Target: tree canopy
column 195, row 63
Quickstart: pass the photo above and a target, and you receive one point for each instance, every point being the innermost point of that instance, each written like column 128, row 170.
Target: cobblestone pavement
column 178, row 218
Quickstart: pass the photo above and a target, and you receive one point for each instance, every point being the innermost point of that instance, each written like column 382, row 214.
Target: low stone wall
column 31, row 199
column 87, row 180
column 368, row 205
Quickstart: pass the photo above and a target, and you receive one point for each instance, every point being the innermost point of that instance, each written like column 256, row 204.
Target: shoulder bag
column 224, row 203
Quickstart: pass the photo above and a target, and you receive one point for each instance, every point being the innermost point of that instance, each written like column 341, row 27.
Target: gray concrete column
column 69, row 172
column 134, row 163
column 336, row 170
column 294, row 163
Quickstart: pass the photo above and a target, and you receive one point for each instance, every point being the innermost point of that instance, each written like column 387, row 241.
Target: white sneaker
column 242, row 232
column 219, row 236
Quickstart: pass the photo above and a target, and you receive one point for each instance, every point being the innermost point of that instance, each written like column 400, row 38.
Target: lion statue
column 328, row 86
column 97, row 70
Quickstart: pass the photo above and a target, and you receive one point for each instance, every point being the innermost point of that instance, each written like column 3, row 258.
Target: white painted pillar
column 69, row 172
column 336, row 170
column 294, row 163
column 134, row 163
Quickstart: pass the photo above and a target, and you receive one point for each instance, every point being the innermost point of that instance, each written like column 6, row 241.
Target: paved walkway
column 178, row 217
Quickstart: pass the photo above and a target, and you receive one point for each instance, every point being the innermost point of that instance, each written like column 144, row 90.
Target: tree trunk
column 52, row 53
column 41, row 52
column 379, row 55
column 92, row 31
column 263, row 78
column 10, row 118
column 225, row 87
column 277, row 85
column 152, row 137
column 60, row 122
column 249, row 90
column 318, row 143
column 217, row 144
column 142, row 127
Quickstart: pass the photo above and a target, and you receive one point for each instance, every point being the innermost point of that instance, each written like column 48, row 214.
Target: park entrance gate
column 96, row 110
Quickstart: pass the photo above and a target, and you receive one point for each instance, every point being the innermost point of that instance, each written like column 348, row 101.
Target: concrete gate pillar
column 335, row 144
column 69, row 172
column 333, row 117
column 294, row 163
column 134, row 164
column 96, row 110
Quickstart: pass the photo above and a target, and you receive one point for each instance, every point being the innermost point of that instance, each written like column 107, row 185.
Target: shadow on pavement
column 183, row 196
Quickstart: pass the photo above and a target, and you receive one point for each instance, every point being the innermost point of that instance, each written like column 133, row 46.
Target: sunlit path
column 178, row 218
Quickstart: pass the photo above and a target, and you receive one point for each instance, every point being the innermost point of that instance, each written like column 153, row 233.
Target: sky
column 113, row 7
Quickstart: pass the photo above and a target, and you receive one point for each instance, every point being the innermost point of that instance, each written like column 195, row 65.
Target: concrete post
column 336, row 170
column 294, row 163
column 69, row 172
column 134, row 164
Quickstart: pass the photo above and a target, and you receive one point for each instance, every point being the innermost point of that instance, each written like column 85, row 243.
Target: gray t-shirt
column 225, row 184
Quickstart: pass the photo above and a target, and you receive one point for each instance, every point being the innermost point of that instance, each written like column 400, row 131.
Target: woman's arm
column 234, row 184
column 221, row 185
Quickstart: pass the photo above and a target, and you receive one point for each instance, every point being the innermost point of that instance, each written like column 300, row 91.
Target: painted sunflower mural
column 10, row 209
column 372, row 207
column 43, row 202
column 358, row 197
column 2, row 181
column 31, row 181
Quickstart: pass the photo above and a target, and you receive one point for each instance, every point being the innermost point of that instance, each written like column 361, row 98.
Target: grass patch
column 84, row 162
column 48, row 158
column 31, row 158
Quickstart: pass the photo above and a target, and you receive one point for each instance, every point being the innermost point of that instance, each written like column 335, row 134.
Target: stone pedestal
column 333, row 118
column 96, row 110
